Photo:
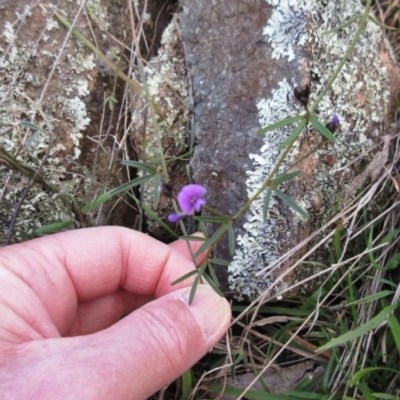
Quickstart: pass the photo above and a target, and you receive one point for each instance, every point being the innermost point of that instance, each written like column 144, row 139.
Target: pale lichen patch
column 26, row 58
column 360, row 96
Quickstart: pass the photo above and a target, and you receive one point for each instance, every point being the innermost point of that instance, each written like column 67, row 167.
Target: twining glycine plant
column 190, row 198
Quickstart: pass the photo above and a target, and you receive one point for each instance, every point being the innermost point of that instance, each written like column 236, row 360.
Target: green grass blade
column 129, row 185
column 96, row 202
column 231, row 239
column 187, row 384
column 279, row 124
column 375, row 21
column 394, row 326
column 290, row 203
column 322, row 129
column 360, row 330
column 53, row 228
column 360, row 374
column 372, row 297
column 140, row 165
column 293, row 136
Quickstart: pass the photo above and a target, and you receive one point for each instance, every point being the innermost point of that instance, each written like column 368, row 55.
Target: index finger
column 85, row 264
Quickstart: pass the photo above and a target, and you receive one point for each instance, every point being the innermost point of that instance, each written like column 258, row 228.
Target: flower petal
column 189, row 196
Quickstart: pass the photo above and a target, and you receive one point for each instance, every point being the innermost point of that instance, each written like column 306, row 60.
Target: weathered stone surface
column 244, row 61
column 61, row 86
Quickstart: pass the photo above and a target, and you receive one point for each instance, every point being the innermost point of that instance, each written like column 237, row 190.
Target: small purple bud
column 334, row 124
column 175, row 218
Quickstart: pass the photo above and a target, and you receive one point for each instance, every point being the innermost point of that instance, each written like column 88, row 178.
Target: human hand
column 62, row 298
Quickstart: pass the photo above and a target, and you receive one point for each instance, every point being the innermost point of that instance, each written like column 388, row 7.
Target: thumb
column 163, row 339
column 134, row 358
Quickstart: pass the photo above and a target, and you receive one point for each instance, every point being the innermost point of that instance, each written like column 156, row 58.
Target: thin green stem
column 265, row 185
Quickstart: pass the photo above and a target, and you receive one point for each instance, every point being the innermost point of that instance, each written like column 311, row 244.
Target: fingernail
column 211, row 311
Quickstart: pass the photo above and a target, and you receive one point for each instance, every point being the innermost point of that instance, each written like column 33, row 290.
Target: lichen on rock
column 55, row 99
column 361, row 96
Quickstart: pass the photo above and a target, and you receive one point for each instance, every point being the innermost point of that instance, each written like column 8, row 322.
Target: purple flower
column 334, row 123
column 335, row 120
column 190, row 200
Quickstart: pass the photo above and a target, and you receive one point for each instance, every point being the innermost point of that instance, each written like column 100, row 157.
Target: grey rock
column 244, row 61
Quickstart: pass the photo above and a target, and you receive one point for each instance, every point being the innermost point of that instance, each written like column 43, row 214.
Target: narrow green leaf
column 322, row 129
column 285, row 177
column 394, row 326
column 375, row 21
column 212, row 220
column 360, row 330
column 390, row 236
column 372, row 297
column 196, row 282
column 30, row 125
column 193, row 289
column 96, row 202
column 289, row 202
column 213, row 285
column 157, row 191
column 266, row 203
column 213, row 239
column 279, row 124
column 360, row 374
column 231, row 239
column 214, row 276
column 187, row 383
column 218, row 261
column 293, row 136
column 203, row 229
column 52, row 228
column 193, row 238
column 384, row 396
column 140, row 165
column 129, row 185
column 184, row 277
